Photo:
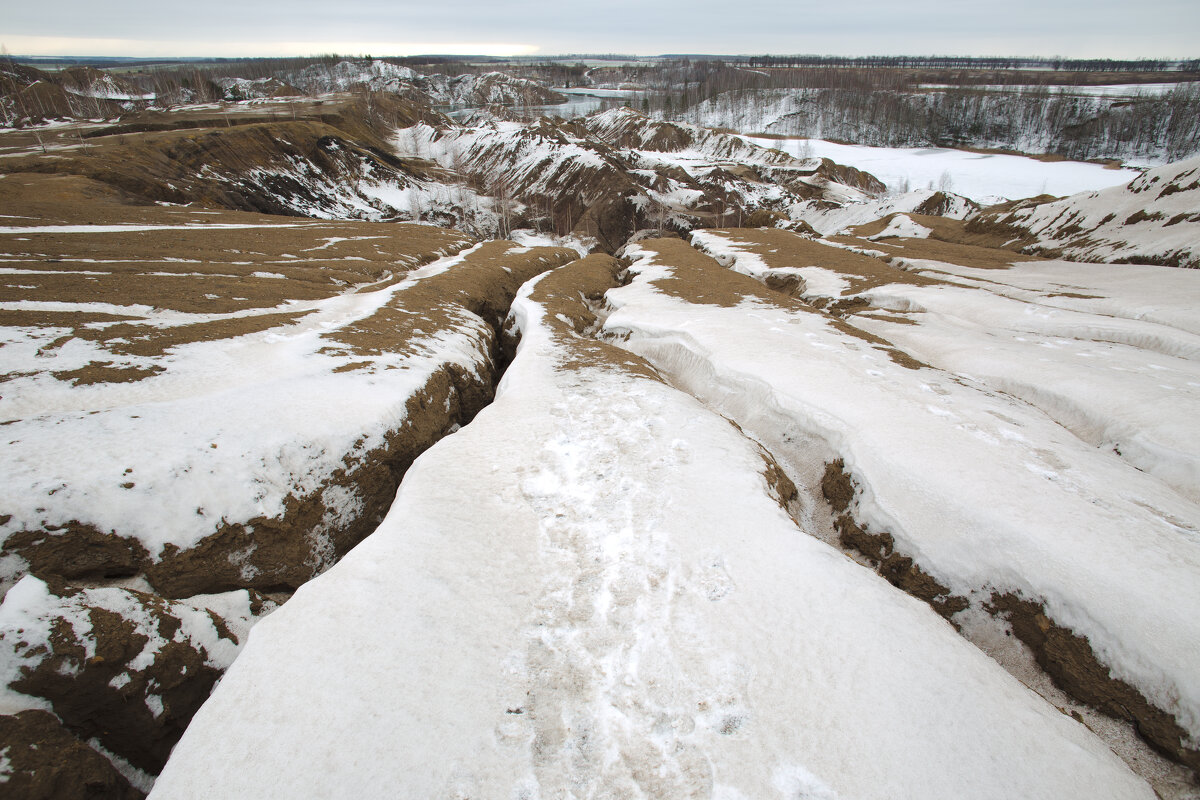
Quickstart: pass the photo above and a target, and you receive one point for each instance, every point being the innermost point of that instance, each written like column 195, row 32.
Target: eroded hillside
column 789, row 487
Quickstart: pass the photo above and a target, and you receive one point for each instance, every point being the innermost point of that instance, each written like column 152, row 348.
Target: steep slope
column 327, row 160
column 468, row 90
column 593, row 589
column 599, row 177
column 1101, row 551
column 1155, row 219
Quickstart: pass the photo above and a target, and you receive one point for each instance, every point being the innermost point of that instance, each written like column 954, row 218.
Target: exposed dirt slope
column 1155, row 219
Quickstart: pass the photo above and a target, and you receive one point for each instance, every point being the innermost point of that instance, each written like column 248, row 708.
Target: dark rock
column 126, row 667
column 46, row 762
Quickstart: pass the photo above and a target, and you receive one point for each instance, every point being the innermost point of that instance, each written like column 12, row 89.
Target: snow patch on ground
column 983, row 177
column 584, row 590
column 217, row 431
column 1080, row 528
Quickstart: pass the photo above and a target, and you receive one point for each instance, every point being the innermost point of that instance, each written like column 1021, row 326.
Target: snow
column 589, row 590
column 1130, row 291
column 1111, row 356
column 211, row 226
column 1116, row 381
column 1113, row 552
column 902, row 226
column 983, row 177
column 828, row 220
column 195, row 433
column 30, row 612
column 1153, row 216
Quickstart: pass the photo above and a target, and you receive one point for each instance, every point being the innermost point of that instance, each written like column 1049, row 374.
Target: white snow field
column 985, row 492
column 590, row 591
column 1155, row 216
column 982, row 177
column 1111, row 352
column 196, row 433
column 236, row 424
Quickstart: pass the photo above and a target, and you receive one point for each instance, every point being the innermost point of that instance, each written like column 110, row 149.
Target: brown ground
column 951, row 241
column 700, row 279
column 208, row 271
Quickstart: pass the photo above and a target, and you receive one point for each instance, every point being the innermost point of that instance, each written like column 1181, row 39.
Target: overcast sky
column 1073, row 28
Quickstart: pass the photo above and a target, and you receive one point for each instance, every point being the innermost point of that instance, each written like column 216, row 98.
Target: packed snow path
column 593, row 590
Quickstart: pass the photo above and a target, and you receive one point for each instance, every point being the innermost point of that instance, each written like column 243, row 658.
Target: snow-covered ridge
column 1095, row 540
column 828, row 219
column 1154, row 219
column 1073, row 125
column 608, row 175
column 491, row 88
column 583, row 591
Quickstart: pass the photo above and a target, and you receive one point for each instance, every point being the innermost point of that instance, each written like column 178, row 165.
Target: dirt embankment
column 573, row 299
column 279, row 553
column 1075, row 668
column 879, row 547
column 1065, row 656
column 46, row 761
column 120, row 667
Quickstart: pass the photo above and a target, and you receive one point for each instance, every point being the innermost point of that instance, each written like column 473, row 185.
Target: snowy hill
column 492, row 88
column 570, row 596
column 1155, row 219
column 874, row 500
column 608, row 175
column 830, row 218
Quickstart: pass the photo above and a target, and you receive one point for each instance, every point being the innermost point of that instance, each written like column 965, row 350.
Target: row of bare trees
column 1077, row 126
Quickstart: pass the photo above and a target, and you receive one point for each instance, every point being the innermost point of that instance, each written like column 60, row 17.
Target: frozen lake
column 983, row 177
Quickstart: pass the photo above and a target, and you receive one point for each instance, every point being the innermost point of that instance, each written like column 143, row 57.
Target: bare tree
column 502, row 194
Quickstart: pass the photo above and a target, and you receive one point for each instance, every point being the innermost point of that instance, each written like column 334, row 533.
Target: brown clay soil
column 571, row 296
column 950, row 241
column 697, row 278
column 782, row 249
